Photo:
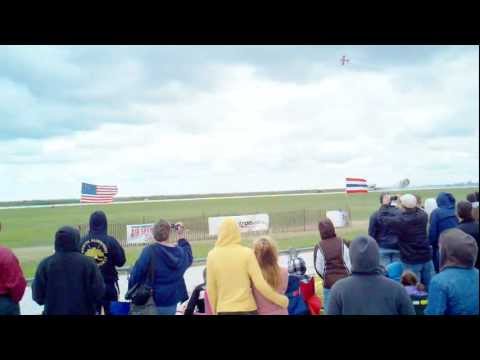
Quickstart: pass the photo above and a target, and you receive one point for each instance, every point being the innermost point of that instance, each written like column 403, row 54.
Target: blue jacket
column 170, row 266
column 395, row 270
column 103, row 248
column 454, row 291
column 296, row 304
column 442, row 218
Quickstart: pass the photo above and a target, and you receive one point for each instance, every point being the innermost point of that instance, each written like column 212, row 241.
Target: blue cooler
column 119, row 308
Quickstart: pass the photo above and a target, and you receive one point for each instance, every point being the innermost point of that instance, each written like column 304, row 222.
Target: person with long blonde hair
column 266, row 252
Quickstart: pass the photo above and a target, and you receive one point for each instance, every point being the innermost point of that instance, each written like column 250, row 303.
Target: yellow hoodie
column 231, row 271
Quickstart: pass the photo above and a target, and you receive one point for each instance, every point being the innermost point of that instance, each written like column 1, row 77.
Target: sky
column 157, row 120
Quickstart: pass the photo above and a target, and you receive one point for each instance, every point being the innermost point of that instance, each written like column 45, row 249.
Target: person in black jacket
column 415, row 249
column 107, row 253
column 468, row 223
column 68, row 283
column 197, row 300
column 386, row 236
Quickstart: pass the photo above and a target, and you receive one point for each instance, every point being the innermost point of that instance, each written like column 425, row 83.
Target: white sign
column 339, row 218
column 139, row 234
column 246, row 223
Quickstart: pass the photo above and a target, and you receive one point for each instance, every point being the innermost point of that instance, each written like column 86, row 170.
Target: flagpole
column 348, row 205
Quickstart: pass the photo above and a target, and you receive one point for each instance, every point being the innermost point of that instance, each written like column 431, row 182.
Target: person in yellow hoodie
column 232, row 269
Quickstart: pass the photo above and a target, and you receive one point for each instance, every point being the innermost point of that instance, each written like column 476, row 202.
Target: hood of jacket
column 445, row 201
column 446, row 206
column 98, row 223
column 457, row 249
column 228, row 234
column 326, row 229
column 67, row 239
column 172, row 256
column 365, row 255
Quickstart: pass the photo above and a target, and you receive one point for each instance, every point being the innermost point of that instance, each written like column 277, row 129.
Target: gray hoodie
column 367, row 291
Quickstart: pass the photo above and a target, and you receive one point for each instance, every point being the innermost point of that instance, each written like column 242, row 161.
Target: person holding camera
column 411, row 226
column 168, row 263
column 385, row 235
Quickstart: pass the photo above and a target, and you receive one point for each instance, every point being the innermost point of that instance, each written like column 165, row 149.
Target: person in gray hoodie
column 368, row 291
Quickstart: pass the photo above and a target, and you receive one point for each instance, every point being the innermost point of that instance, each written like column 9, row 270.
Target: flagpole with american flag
column 97, row 194
column 354, row 186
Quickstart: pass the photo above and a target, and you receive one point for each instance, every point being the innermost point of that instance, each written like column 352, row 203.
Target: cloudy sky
column 199, row 119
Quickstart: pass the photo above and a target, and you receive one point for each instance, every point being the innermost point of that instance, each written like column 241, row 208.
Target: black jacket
column 413, row 243
column 471, row 228
column 104, row 249
column 386, row 236
column 195, row 301
column 68, row 283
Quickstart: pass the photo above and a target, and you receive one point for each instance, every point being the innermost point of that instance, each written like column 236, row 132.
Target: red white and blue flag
column 356, row 185
column 98, row 194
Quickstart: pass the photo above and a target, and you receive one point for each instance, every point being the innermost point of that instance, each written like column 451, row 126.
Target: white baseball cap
column 408, row 201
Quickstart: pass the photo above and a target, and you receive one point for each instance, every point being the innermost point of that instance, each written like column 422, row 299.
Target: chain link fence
column 286, row 221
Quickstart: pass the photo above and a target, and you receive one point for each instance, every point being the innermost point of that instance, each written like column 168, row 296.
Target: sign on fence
column 247, row 223
column 139, row 234
column 339, row 218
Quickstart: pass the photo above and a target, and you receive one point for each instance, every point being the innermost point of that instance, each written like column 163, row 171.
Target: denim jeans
column 326, row 298
column 167, row 310
column 388, row 256
column 424, row 272
column 8, row 307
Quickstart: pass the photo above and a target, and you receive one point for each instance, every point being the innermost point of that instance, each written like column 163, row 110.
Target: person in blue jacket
column 170, row 263
column 296, row 274
column 442, row 218
column 107, row 253
column 454, row 291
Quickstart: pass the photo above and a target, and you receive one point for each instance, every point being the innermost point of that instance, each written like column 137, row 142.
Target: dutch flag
column 356, row 185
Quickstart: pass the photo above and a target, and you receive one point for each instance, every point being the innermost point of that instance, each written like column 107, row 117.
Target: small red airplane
column 344, row 60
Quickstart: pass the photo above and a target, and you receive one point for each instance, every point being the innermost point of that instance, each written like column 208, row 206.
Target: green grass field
column 30, row 232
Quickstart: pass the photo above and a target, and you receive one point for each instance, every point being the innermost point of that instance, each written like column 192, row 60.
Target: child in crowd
column 415, row 290
column 266, row 253
column 394, row 270
column 296, row 271
column 301, row 288
column 196, row 304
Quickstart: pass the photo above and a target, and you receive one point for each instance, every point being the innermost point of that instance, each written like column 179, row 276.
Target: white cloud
column 252, row 132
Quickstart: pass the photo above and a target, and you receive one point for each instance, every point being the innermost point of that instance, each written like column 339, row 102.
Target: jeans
column 111, row 294
column 436, row 258
column 8, row 307
column 326, row 298
column 424, row 272
column 388, row 256
column 167, row 310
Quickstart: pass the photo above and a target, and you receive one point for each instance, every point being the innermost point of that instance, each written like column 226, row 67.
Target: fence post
column 304, row 220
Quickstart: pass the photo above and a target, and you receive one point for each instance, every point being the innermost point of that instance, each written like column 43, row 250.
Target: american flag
column 355, row 185
column 97, row 194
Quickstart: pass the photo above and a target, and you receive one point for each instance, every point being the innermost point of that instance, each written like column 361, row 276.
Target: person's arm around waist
column 261, row 285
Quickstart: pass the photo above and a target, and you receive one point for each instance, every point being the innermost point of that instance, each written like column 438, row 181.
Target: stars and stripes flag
column 98, row 194
column 355, row 185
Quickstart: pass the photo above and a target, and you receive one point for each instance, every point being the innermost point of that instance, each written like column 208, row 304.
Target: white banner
column 139, row 234
column 339, row 218
column 247, row 223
